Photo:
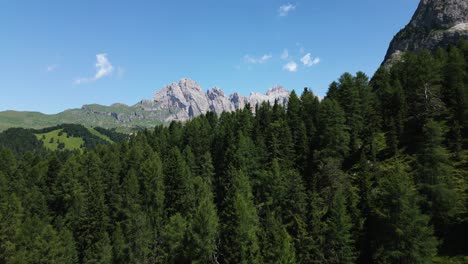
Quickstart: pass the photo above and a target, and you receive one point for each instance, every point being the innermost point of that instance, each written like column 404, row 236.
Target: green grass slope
column 99, row 135
column 61, row 137
column 122, row 117
column 59, row 140
column 25, row 119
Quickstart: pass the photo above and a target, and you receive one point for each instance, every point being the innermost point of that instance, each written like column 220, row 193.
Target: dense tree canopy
column 376, row 172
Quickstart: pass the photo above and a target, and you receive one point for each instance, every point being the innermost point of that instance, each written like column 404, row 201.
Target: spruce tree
column 174, row 240
column 400, row 232
column 178, row 184
column 455, row 96
column 333, row 132
column 204, row 224
column 435, row 177
column 240, row 224
column 339, row 242
column 277, row 246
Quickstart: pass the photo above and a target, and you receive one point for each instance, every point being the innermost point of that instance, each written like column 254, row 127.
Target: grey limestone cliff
column 436, row 23
column 186, row 99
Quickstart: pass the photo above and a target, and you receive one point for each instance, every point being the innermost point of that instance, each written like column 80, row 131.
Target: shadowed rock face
column 186, row 99
column 436, row 23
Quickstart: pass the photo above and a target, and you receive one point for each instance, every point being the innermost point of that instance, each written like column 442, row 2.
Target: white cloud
column 103, row 68
column 253, row 60
column 285, row 54
column 308, row 61
column 265, row 57
column 250, row 59
column 52, row 67
column 290, row 67
column 285, row 9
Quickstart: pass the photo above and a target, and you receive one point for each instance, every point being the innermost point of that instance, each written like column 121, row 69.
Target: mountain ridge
column 177, row 101
column 186, row 99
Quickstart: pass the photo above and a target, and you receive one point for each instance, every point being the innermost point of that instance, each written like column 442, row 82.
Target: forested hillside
column 64, row 137
column 376, row 172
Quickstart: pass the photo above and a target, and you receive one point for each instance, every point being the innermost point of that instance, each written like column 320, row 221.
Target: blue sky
column 57, row 54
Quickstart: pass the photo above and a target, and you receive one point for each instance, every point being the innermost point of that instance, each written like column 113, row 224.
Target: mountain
column 179, row 101
column 186, row 99
column 436, row 23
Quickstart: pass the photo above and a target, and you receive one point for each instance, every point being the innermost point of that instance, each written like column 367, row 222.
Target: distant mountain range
column 436, row 23
column 186, row 99
column 174, row 102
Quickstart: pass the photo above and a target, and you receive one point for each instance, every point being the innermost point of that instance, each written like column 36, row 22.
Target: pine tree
column 93, row 242
column 207, row 172
column 69, row 194
column 339, row 242
column 119, row 247
column 204, row 222
column 316, row 228
column 11, row 216
column 435, row 177
column 152, row 190
column 408, row 237
column 178, row 184
column 174, row 239
column 334, row 137
column 294, row 213
column 455, row 96
column 39, row 242
column 99, row 252
column 278, row 246
column 135, row 222
column 298, row 131
column 240, row 224
column 421, row 79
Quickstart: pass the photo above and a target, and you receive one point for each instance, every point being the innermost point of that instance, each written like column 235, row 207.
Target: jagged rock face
column 218, row 101
column 277, row 93
column 238, row 100
column 436, row 23
column 440, row 14
column 185, row 100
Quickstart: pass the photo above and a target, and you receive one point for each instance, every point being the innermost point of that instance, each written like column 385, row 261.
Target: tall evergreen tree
column 152, row 189
column 204, row 223
column 334, row 136
column 240, row 224
column 455, row 96
column 339, row 242
column 435, row 177
column 408, row 237
column 278, row 246
column 178, row 183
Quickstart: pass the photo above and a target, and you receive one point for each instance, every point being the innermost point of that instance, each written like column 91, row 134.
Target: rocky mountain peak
column 436, row 23
column 440, row 14
column 215, row 92
column 237, row 100
column 277, row 90
column 186, row 99
column 189, row 84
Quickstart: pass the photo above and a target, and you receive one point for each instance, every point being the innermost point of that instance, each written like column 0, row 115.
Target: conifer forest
column 374, row 172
